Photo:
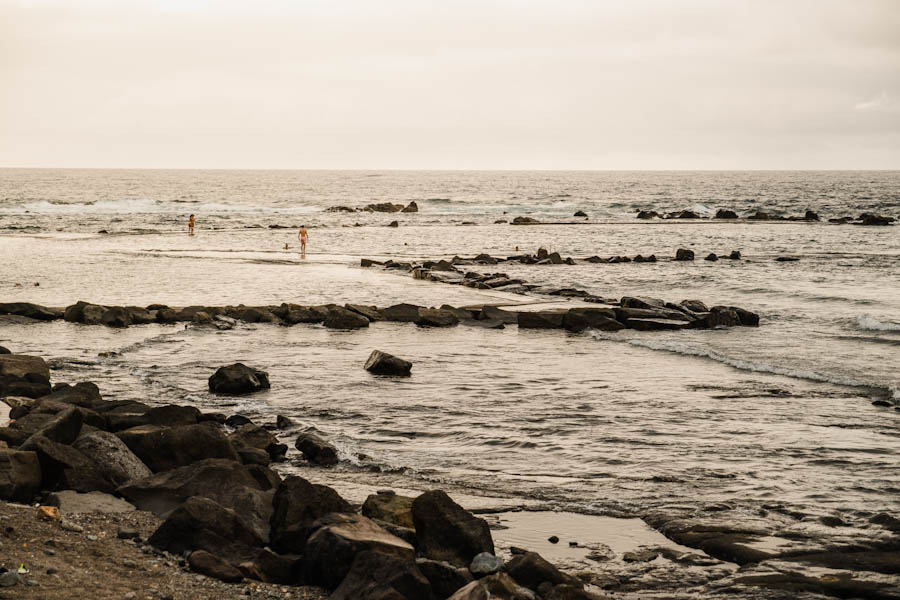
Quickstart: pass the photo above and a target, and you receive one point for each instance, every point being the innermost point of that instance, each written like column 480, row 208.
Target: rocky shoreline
column 223, row 512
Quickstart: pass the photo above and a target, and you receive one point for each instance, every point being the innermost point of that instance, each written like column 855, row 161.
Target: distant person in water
column 191, row 225
column 303, row 235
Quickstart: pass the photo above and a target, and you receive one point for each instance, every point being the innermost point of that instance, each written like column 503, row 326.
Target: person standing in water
column 303, row 235
column 191, row 225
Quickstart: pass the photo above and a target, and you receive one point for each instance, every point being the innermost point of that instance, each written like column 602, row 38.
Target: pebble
column 93, row 538
column 49, row 552
column 129, row 564
column 127, row 533
column 32, row 583
column 553, row 539
column 52, row 571
column 74, row 527
column 130, row 595
column 9, row 579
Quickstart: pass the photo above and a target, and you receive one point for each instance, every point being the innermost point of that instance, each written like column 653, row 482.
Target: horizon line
column 455, row 170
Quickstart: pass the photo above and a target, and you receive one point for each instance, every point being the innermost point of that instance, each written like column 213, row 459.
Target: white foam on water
column 870, row 323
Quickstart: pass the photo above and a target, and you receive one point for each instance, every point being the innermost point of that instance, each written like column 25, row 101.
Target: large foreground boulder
column 164, row 448
column 390, row 508
column 298, row 504
column 496, row 587
column 23, row 366
column 382, row 363
column 445, row 578
column 228, row 483
column 20, row 475
column 531, row 570
column 201, row 524
column 379, row 576
column 238, row 379
column 338, row 539
column 64, row 467
column 436, row 317
column 112, row 457
column 209, row 564
column 446, row 531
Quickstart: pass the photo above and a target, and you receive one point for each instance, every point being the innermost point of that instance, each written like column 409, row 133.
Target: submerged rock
column 684, row 254
column 316, row 450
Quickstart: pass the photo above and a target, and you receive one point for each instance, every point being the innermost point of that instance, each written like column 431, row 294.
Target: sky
column 415, row 84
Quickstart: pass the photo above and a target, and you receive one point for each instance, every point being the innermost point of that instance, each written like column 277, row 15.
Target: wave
column 870, row 323
column 145, row 205
column 759, row 367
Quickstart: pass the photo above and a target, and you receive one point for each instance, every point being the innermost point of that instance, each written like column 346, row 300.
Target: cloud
column 883, row 102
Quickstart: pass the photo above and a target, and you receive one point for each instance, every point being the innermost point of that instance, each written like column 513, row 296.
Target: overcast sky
column 490, row 84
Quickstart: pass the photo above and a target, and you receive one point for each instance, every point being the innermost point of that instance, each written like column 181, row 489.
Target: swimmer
column 191, row 225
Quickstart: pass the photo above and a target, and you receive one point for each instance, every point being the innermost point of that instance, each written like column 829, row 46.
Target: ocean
column 745, row 424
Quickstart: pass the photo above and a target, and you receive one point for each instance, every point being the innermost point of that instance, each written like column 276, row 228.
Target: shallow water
column 699, row 423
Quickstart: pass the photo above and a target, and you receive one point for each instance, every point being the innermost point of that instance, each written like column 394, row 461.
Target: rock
column 394, row 224
column 71, row 502
column 684, row 254
column 282, row 422
column 116, row 316
column 228, row 483
column 623, row 315
column 368, row 262
column 531, row 570
column 735, row 255
column 341, row 318
column 390, row 508
column 237, row 421
column 412, row 207
column 5, row 350
column 746, row 317
column 810, row 216
column 525, row 221
column 496, row 587
column 172, row 415
column 403, row 313
column 485, row 564
column 297, row 505
column 725, row 214
column 445, row 579
column 20, row 475
column 63, row 428
column 31, row 311
column 580, row 213
column 711, row 257
column 316, row 450
column 127, row 533
column 338, row 539
column 656, row 324
column 383, row 207
column 370, row 312
column 238, row 379
column 210, row 565
column 723, row 317
column 870, row 219
column 9, row 578
column 201, row 524
column 23, row 366
column 273, row 568
column 486, row 324
column 601, row 319
column 446, row 531
column 570, row 592
column 382, row 363
column 253, row 436
column 378, row 576
column 164, row 448
column 541, row 319
column 305, row 314
column 435, row 317
column 644, row 555
column 256, row 315
column 498, row 314
column 647, row 214
column 760, row 215
column 254, row 456
column 64, row 467
column 786, row 259
column 694, row 306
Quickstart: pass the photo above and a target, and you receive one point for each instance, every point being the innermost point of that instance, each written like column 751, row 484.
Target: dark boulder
column 382, row 363
column 172, row 415
column 389, row 508
column 164, row 448
column 211, row 565
column 684, row 214
column 305, row 314
column 531, row 570
column 316, row 450
column 485, row 564
column 237, row 421
column 85, row 394
column 64, row 427
column 297, row 505
column 601, row 319
column 718, row 318
column 32, row 311
column 412, row 207
column 378, row 576
column 111, row 457
column 255, row 314
column 811, row 216
column 541, row 319
column 370, row 312
column 580, row 213
column 254, row 456
column 238, row 379
column 647, row 214
column 446, row 531
column 228, row 483
column 5, row 350
column 338, row 539
column 20, row 475
column 254, row 436
column 735, row 255
column 492, row 313
column 684, row 254
column 641, row 302
column 712, row 257
column 525, row 221
column 694, row 306
column 116, row 316
column 445, row 578
column 496, row 587
column 64, row 467
column 725, row 214
column 403, row 313
column 341, row 318
column 273, row 568
column 24, row 367
column 747, row 318
column 202, row 524
column 436, row 317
